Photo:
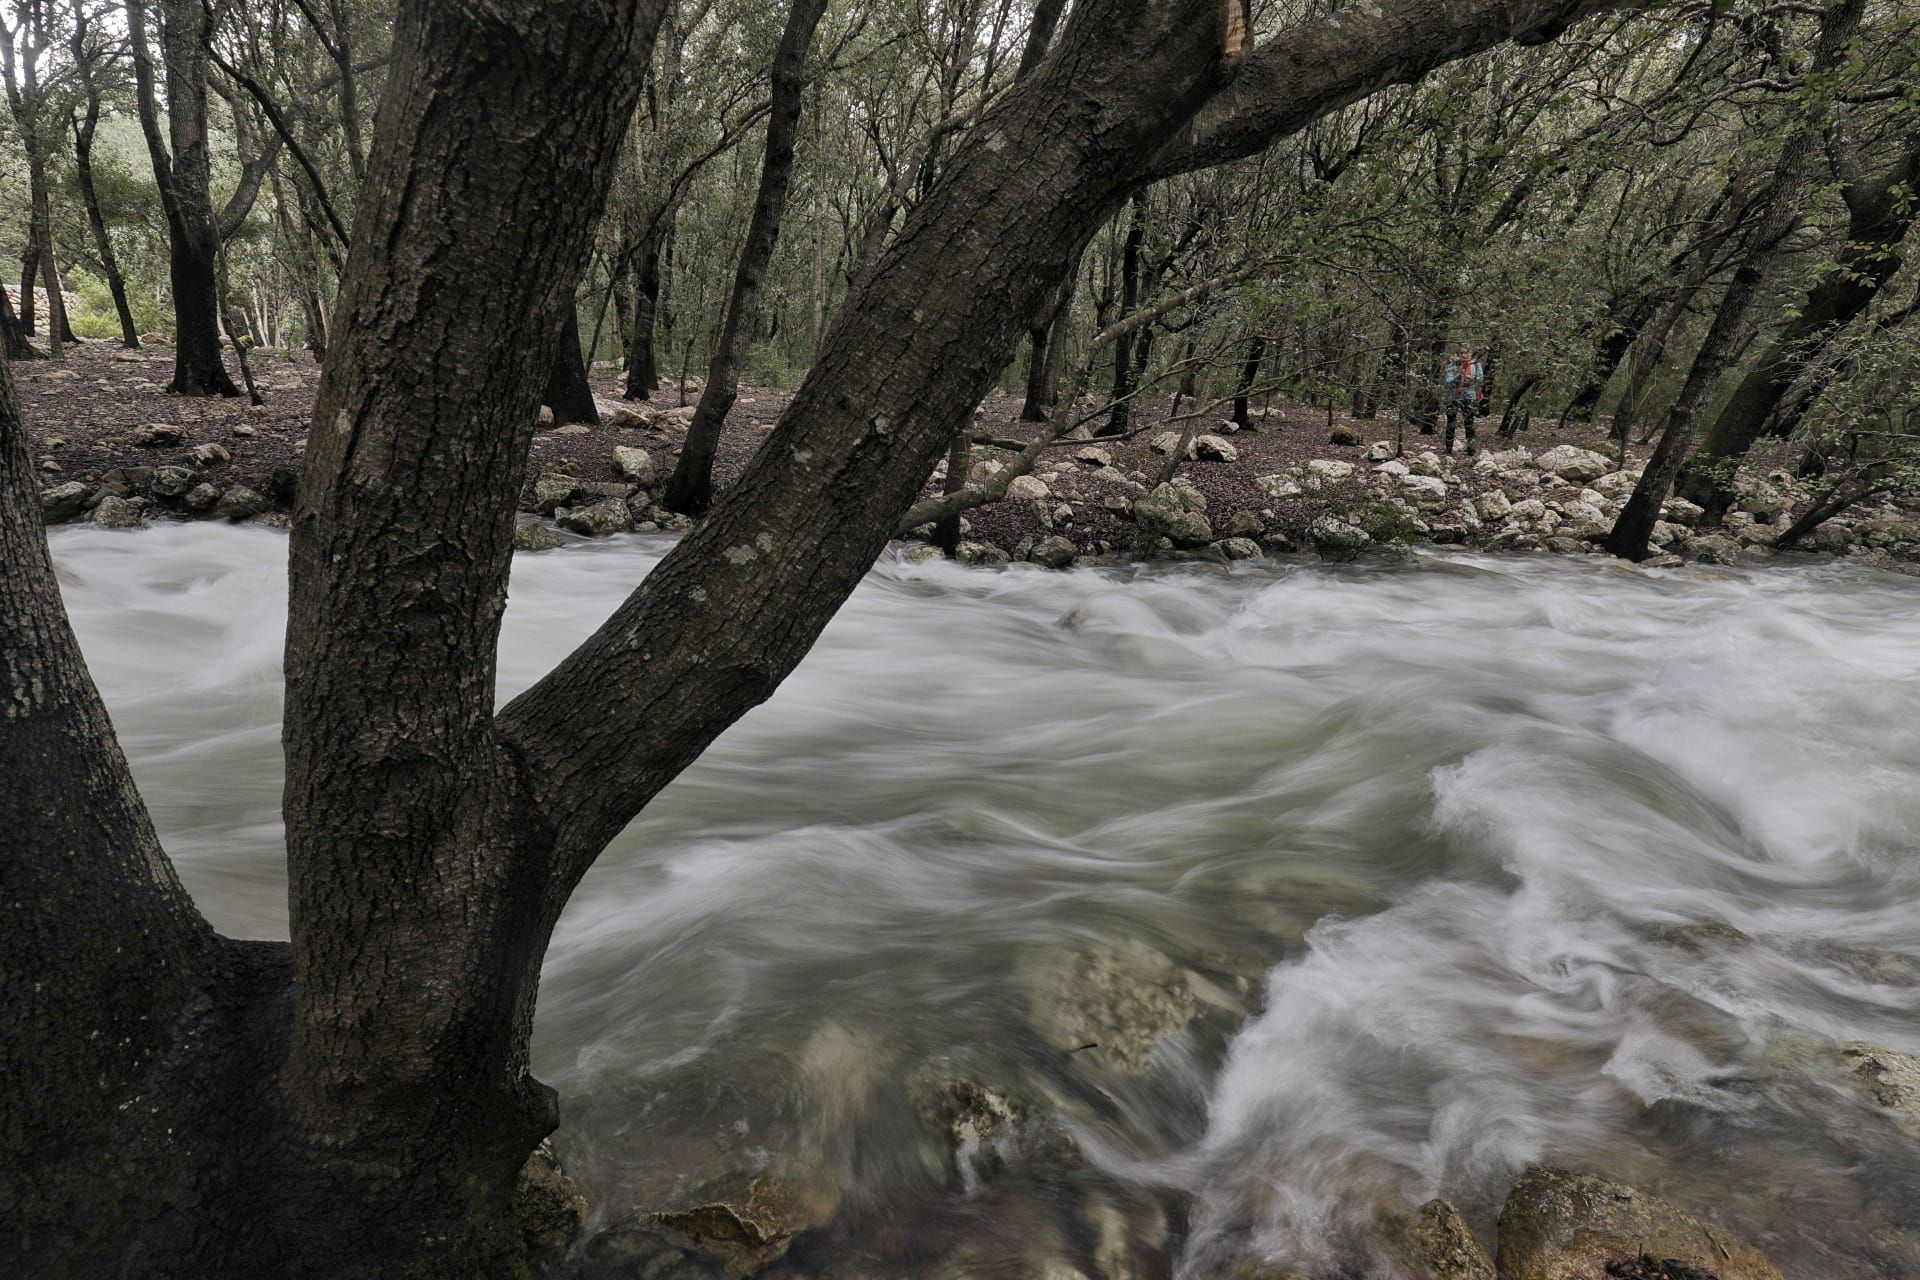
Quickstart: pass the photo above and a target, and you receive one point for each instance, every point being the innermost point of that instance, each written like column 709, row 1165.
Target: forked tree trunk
column 690, row 489
column 365, row 1114
column 182, row 175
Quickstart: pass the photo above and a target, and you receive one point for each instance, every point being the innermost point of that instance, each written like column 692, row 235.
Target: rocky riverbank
column 117, row 451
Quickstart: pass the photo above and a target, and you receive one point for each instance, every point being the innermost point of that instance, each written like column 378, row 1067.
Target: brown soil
column 82, row 413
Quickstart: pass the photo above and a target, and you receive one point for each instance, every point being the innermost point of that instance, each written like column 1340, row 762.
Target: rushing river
column 1479, row 832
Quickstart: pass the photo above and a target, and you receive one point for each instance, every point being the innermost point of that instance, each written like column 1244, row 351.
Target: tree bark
column 569, row 394
column 690, row 489
column 643, row 366
column 83, row 131
column 182, row 176
column 1120, row 416
column 1249, row 377
column 1779, row 215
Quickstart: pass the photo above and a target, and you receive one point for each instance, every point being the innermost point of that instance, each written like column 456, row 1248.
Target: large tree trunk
column 643, row 366
column 13, row 334
column 1879, row 215
column 690, row 489
column 366, row 1117
column 193, row 243
column 1779, row 215
column 568, row 392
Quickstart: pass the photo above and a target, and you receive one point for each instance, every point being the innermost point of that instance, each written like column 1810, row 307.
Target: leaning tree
column 357, row 1102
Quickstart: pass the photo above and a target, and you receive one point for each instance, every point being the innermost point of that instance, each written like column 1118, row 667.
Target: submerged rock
column 1891, row 1079
column 534, row 536
column 1054, row 552
column 548, row 1203
column 239, row 503
column 600, row 520
column 1117, row 1003
column 1573, row 1226
column 1434, row 1243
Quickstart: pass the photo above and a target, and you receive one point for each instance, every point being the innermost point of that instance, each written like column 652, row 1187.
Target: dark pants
column 1461, row 407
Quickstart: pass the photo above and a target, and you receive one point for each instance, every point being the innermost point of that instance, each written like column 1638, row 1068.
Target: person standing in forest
column 1464, row 391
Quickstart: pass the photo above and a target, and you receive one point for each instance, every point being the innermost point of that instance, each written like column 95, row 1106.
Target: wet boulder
column 1054, row 552
column 239, row 503
column 1239, row 548
column 548, row 1203
column 531, row 535
column 980, row 553
column 1334, row 539
column 63, row 502
column 1891, row 1079
column 116, row 513
column 554, row 489
column 1558, row 1225
column 1714, row 549
column 1434, row 1243
column 602, row 519
column 1113, row 1003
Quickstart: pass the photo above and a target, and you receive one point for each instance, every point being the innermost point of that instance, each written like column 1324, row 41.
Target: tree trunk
column 13, row 333
column 643, row 367
column 102, row 242
column 690, row 489
column 1623, row 324
column 182, row 176
column 1779, row 215
column 569, row 394
column 1879, row 216
column 365, row 1114
column 1249, row 377
column 1120, row 416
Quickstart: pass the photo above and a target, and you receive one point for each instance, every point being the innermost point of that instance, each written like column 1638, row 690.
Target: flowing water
column 1521, row 860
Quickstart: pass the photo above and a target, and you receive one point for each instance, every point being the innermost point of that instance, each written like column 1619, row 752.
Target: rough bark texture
column 1120, row 417
column 568, row 393
column 690, row 489
column 366, row 1115
column 643, row 368
column 181, row 174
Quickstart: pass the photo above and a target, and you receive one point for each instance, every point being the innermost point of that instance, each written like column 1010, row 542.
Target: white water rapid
column 1541, row 859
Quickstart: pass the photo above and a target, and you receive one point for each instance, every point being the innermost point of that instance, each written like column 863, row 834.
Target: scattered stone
column 746, row 1224
column 554, row 489
column 531, row 535
column 1092, row 456
column 116, row 513
column 1662, row 562
column 209, row 455
column 1570, row 462
column 971, row 552
column 1379, row 451
column 1667, row 533
column 1714, row 549
column 202, row 496
column 245, row 430
column 1345, row 436
column 1429, row 491
column 572, row 429
column 1528, row 509
column 1243, row 524
column 1215, row 449
column 1239, row 548
column 621, row 415
column 1329, row 468
column 1680, row 511
column 1832, row 538
column 545, row 418
column 1055, row 552
column 1334, row 539
column 602, row 519
column 63, row 502
column 1175, row 513
column 173, row 482
column 1279, row 485
column 1167, row 441
column 1029, row 488
column 1569, row 1226
column 239, row 503
column 636, row 466
column 159, row 435
column 1494, row 505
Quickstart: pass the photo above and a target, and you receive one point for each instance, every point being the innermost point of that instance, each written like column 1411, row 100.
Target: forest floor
column 85, row 412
